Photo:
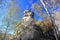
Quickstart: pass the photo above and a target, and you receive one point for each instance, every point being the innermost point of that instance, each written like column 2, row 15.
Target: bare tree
column 46, row 4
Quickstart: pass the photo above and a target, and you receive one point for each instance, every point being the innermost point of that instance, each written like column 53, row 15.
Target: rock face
column 29, row 30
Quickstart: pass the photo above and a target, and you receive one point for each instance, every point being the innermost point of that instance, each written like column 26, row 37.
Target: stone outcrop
column 30, row 31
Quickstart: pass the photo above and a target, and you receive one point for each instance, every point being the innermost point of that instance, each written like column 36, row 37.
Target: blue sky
column 23, row 5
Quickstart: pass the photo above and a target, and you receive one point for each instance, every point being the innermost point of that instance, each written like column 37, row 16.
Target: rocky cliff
column 28, row 29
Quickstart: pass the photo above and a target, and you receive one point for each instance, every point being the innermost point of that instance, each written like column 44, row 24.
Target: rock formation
column 29, row 30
